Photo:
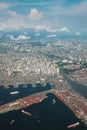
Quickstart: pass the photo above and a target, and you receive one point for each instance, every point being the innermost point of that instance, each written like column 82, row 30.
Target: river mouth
column 46, row 115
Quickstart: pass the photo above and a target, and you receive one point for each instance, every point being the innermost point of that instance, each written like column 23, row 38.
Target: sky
column 68, row 16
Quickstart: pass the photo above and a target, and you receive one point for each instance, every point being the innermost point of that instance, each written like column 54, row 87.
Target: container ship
column 73, row 125
column 15, row 92
column 26, row 113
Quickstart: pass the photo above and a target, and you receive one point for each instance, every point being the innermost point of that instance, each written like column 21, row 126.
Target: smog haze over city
column 43, row 64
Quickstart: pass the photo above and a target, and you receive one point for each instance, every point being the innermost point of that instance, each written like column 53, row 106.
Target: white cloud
column 54, row 35
column 1, row 35
column 12, row 21
column 1, row 29
column 2, row 26
column 44, row 27
column 12, row 13
column 15, row 22
column 74, row 9
column 25, row 33
column 79, row 9
column 4, row 6
column 20, row 37
column 77, row 33
column 54, row 17
column 64, row 29
column 40, row 27
column 11, row 37
column 35, row 15
column 37, row 34
column 51, row 30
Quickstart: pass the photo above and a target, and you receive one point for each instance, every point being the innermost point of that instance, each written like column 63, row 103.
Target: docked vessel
column 73, row 125
column 26, row 113
column 12, row 121
column 53, row 101
column 15, row 92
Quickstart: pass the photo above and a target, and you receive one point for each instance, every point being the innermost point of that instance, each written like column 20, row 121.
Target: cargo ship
column 73, row 125
column 15, row 92
column 53, row 101
column 26, row 113
column 12, row 121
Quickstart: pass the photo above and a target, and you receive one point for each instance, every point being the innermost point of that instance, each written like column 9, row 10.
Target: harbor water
column 46, row 115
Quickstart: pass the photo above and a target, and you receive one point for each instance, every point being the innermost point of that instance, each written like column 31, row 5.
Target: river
column 81, row 89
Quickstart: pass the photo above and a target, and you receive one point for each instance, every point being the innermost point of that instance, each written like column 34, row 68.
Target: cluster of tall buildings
column 23, row 66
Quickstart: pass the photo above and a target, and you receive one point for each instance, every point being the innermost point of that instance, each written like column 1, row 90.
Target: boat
column 26, row 113
column 73, row 125
column 53, row 101
column 12, row 121
column 15, row 92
